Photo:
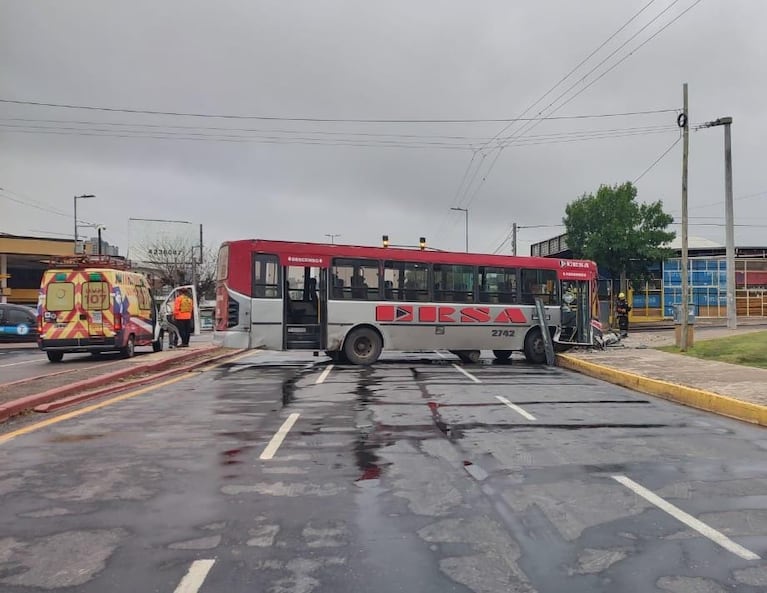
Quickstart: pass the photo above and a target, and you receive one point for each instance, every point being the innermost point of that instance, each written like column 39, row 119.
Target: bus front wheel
column 535, row 349
column 363, row 346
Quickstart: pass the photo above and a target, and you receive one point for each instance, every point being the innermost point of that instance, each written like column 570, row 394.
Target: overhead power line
column 536, row 121
column 561, row 138
column 310, row 119
column 576, row 68
column 659, row 159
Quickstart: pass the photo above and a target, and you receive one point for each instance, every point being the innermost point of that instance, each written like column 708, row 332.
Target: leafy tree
column 621, row 235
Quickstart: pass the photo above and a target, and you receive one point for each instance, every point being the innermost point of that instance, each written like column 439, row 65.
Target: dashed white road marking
column 515, row 407
column 468, row 374
column 13, row 364
column 195, row 577
column 438, row 353
column 699, row 526
column 324, row 375
column 279, row 436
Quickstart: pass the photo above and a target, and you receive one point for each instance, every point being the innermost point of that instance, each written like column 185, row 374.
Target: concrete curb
column 18, row 406
column 688, row 396
column 81, row 397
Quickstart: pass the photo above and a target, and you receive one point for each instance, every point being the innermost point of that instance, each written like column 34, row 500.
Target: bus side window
column 266, row 273
column 498, row 285
column 357, row 279
column 406, row 281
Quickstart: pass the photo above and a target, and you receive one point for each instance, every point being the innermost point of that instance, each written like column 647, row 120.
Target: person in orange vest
column 183, row 308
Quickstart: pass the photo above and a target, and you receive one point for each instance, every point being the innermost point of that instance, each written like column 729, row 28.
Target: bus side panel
column 439, row 327
column 266, row 324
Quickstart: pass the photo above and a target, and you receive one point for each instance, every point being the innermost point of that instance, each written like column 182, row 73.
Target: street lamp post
column 332, row 237
column 466, row 214
column 82, row 197
column 99, row 229
column 732, row 312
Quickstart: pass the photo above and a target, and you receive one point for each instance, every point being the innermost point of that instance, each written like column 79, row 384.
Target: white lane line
column 324, row 375
column 709, row 532
column 13, row 364
column 194, row 579
column 279, row 436
column 468, row 374
column 515, row 407
column 438, row 353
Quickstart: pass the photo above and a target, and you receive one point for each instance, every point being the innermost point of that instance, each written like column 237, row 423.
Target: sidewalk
column 732, row 390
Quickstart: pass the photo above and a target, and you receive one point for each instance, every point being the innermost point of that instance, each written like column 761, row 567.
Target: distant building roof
column 694, row 243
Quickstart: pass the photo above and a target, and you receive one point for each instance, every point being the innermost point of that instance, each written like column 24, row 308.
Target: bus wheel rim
column 362, row 346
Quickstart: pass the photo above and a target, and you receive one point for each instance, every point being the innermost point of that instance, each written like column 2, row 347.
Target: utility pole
column 75, row 201
column 332, row 237
column 683, row 122
column 466, row 213
column 732, row 311
column 514, row 238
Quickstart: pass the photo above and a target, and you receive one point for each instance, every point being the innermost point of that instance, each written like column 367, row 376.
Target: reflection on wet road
column 281, row 473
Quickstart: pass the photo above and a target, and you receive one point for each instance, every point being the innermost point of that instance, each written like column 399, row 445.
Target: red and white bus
column 352, row 302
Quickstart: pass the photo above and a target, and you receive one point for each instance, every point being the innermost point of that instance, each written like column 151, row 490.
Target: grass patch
column 747, row 349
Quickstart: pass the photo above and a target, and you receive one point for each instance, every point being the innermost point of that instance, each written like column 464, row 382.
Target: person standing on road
column 182, row 315
column 622, row 309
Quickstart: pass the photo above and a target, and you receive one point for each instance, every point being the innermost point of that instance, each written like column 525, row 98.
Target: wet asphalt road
column 408, row 476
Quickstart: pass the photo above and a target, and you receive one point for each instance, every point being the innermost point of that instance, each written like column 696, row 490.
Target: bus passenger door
column 575, row 326
column 305, row 308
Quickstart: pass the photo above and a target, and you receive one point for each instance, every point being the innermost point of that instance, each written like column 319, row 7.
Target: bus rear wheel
column 468, row 356
column 363, row 346
column 337, row 356
column 502, row 354
column 535, row 349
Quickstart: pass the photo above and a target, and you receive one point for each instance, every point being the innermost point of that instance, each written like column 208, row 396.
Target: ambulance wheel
column 535, row 349
column 129, row 349
column 159, row 343
column 363, row 346
column 502, row 354
column 55, row 356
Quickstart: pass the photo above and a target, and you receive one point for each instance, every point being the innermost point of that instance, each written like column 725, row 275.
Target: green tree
column 621, row 235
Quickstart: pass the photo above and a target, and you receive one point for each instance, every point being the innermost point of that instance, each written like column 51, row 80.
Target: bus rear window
column 60, row 296
column 222, row 263
column 96, row 296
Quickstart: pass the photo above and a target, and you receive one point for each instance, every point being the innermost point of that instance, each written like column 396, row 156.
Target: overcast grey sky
column 427, row 60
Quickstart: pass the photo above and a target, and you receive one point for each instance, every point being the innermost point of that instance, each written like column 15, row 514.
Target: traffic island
column 689, row 396
column 72, row 393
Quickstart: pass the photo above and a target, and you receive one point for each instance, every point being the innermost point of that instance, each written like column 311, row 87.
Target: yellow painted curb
column 689, row 396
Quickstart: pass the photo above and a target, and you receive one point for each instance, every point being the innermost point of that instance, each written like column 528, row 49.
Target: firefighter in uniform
column 183, row 308
column 622, row 309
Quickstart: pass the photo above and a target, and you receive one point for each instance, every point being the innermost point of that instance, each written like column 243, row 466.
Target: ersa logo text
column 445, row 314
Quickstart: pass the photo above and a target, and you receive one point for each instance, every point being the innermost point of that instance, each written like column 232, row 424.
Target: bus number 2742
column 503, row 333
